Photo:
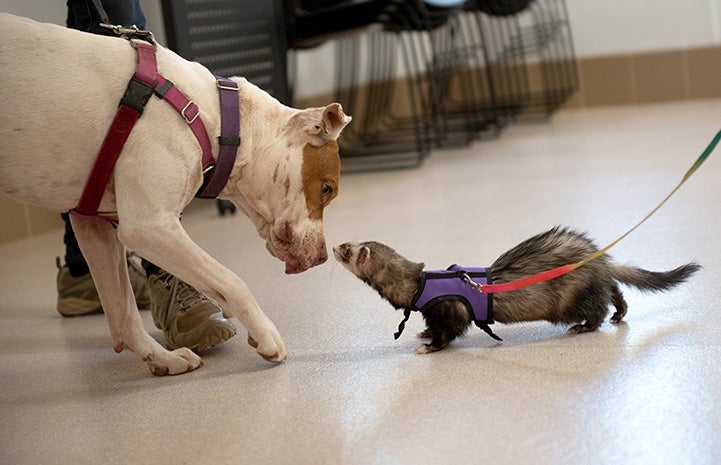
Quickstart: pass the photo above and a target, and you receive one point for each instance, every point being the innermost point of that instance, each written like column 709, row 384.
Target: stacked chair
column 441, row 73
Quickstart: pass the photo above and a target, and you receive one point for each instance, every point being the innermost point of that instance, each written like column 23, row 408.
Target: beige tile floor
column 647, row 391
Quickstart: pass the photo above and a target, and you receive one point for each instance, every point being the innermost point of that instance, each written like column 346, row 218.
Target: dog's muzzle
column 299, row 252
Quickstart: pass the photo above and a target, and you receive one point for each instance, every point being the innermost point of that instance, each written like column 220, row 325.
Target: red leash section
column 529, row 280
column 561, row 270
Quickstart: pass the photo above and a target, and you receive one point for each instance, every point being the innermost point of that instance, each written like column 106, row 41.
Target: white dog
column 59, row 93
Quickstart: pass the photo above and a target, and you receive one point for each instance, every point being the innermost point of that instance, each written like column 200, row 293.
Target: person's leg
column 83, row 15
column 125, row 12
column 77, row 266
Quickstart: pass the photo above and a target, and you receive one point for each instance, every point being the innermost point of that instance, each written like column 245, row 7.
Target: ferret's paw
column 425, row 349
column 423, row 334
column 578, row 329
column 617, row 317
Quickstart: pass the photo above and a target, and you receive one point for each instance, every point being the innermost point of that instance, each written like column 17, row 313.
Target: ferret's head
column 366, row 259
column 355, row 257
column 395, row 278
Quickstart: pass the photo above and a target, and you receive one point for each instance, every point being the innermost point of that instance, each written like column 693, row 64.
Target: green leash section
column 703, row 156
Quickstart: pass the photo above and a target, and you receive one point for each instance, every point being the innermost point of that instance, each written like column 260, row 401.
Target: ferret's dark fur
column 580, row 297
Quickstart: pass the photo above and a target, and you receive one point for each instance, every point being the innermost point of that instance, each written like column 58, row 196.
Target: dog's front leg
column 106, row 259
column 175, row 252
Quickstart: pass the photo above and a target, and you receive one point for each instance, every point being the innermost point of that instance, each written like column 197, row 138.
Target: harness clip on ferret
column 474, row 285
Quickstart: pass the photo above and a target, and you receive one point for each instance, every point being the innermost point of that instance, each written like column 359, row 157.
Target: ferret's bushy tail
column 654, row 280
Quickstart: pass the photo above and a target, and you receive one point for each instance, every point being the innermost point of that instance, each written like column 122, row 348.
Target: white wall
column 602, row 27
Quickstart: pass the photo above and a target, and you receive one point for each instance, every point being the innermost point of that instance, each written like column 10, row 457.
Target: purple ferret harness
column 454, row 284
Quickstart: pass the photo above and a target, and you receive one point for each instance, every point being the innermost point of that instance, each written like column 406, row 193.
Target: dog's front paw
column 176, row 362
column 270, row 348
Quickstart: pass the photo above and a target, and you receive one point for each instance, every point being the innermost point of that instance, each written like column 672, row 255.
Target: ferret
column 581, row 297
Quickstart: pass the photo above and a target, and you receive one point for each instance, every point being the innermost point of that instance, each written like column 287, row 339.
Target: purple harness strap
column 229, row 139
column 451, row 284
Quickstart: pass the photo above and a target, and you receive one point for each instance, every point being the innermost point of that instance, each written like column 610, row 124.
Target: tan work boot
column 187, row 317
column 78, row 296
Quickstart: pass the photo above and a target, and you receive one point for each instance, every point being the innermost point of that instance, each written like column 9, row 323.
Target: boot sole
column 73, row 306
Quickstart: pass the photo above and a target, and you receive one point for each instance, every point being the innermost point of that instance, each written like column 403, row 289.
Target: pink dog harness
column 145, row 82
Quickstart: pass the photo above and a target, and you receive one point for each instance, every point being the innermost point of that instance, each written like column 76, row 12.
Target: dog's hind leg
column 106, row 259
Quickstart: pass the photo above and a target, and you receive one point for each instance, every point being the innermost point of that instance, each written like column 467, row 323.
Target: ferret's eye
column 347, row 254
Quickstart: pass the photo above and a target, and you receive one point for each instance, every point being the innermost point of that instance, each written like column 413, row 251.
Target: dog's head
column 291, row 177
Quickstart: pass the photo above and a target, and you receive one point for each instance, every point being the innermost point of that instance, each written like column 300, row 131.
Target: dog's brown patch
column 321, row 171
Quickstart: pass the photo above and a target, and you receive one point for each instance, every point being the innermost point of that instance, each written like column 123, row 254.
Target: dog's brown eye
column 326, row 190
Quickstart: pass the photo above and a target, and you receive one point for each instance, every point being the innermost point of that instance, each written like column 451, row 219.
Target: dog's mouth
column 297, row 263
column 299, row 247
column 294, row 267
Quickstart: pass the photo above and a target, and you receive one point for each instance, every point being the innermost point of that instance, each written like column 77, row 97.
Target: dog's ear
column 322, row 124
column 334, row 120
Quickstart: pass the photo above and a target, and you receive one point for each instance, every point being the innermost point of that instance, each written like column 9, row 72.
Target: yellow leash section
column 561, row 270
column 688, row 174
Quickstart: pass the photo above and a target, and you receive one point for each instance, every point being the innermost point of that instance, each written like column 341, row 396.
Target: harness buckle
column 137, row 94
column 224, row 87
column 190, row 119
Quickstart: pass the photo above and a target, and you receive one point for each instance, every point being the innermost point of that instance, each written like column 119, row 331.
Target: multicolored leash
column 561, row 270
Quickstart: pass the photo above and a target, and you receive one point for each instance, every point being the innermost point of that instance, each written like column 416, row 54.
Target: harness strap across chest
column 453, row 284
column 145, row 82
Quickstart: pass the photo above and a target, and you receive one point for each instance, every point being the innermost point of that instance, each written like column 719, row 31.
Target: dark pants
column 83, row 16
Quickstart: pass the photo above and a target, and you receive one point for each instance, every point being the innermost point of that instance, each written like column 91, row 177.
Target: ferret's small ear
column 364, row 258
